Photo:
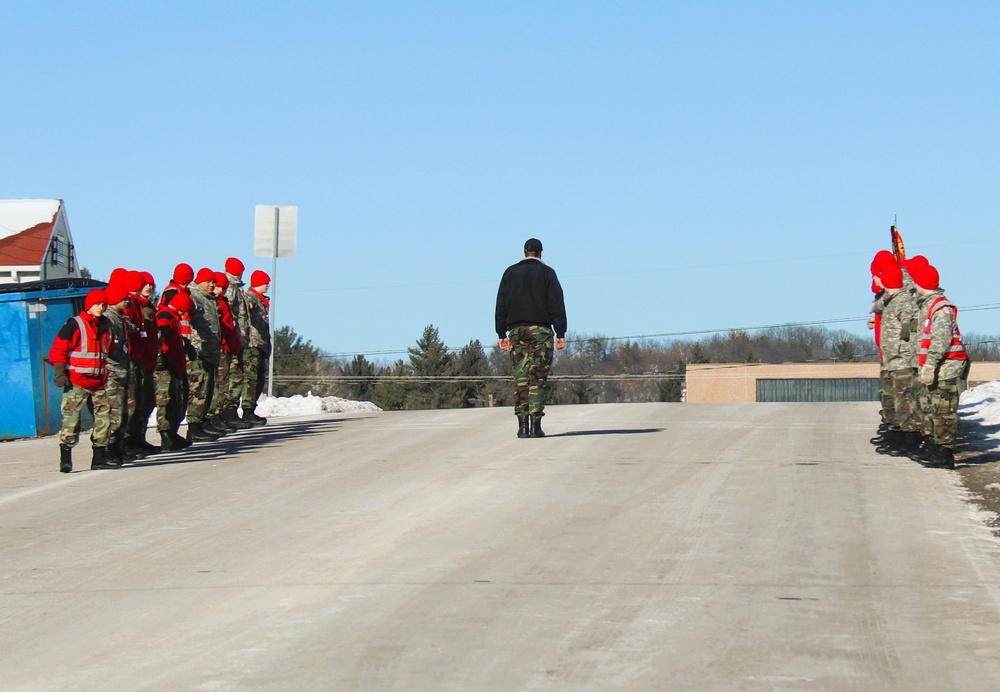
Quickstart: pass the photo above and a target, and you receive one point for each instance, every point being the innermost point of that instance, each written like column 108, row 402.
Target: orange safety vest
column 956, row 350
column 90, row 358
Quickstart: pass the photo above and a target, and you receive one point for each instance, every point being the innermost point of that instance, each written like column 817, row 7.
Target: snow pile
column 298, row 405
column 979, row 415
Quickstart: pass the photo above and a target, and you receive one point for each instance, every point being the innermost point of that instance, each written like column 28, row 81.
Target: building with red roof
column 35, row 242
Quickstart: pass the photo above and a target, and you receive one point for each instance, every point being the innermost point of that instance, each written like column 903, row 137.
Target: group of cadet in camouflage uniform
column 199, row 352
column 530, row 310
column 923, row 361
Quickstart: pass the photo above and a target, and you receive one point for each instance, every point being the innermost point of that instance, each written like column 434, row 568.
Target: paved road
column 639, row 547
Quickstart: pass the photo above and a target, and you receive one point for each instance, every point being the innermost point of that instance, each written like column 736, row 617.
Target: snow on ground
column 979, row 416
column 298, row 405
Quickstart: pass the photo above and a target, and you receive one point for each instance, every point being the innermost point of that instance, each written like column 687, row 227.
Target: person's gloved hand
column 927, row 375
column 60, row 378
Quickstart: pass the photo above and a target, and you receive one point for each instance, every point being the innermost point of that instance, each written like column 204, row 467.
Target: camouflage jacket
column 942, row 328
column 206, row 332
column 118, row 357
column 238, row 302
column 898, row 336
column 260, row 329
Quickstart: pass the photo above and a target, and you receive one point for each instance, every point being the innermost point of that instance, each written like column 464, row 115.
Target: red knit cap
column 181, row 301
column 925, row 276
column 149, row 279
column 118, row 275
column 183, row 274
column 221, row 280
column 204, row 274
column 892, row 276
column 259, row 278
column 916, row 260
column 94, row 297
column 882, row 258
column 134, row 281
column 116, row 293
column 234, row 266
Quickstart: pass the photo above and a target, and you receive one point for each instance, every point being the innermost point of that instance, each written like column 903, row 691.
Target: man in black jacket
column 530, row 308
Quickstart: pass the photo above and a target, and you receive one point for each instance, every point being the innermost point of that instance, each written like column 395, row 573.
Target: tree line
column 591, row 369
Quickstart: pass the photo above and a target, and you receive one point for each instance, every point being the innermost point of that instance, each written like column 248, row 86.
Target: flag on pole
column 896, row 242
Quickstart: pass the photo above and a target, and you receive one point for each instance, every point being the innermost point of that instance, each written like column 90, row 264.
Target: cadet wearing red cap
column 79, row 356
column 206, row 337
column 231, row 349
column 171, row 370
column 143, row 349
column 943, row 363
column 882, row 259
column 119, row 370
column 237, row 297
column 899, row 358
column 258, row 350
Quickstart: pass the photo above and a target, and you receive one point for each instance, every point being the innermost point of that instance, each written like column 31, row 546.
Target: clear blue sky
column 688, row 166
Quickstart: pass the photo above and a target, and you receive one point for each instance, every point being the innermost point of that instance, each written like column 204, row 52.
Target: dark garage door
column 846, row 389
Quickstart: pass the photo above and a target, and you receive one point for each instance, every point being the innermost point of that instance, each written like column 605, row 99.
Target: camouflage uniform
column 531, row 354
column 73, row 401
column 255, row 357
column 938, row 402
column 119, row 367
column 241, row 318
column 899, row 352
column 206, row 338
column 884, row 379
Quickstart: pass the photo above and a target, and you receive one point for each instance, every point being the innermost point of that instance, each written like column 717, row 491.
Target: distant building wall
column 735, row 382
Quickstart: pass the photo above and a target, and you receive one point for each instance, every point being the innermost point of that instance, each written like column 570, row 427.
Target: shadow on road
column 241, row 442
column 624, row 431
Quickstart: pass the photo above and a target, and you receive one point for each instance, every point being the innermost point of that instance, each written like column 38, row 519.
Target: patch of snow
column 298, row 405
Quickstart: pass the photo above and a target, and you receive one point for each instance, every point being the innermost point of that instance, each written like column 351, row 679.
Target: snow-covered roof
column 17, row 215
column 25, row 229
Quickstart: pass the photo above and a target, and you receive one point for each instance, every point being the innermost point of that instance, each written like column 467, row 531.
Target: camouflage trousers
column 237, row 382
column 222, row 383
column 906, row 412
column 170, row 400
column 885, row 396
column 531, row 351
column 73, row 401
column 939, row 411
column 117, row 391
column 142, row 391
column 255, row 374
column 201, row 388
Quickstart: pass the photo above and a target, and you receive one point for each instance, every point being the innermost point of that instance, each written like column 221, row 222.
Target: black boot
column 936, row 456
column 113, row 456
column 101, row 460
column 535, row 426
column 168, row 443
column 197, row 433
column 522, row 426
column 233, row 420
column 249, row 415
column 145, row 446
column 908, row 442
column 125, row 453
column 891, row 440
column 217, row 428
column 179, row 442
column 65, row 459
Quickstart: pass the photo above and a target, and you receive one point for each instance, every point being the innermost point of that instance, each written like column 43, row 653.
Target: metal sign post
column 275, row 231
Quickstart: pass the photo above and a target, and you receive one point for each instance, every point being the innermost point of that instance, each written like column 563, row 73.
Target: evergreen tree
column 361, row 376
column 430, row 359
column 299, row 367
column 471, row 362
column 391, row 394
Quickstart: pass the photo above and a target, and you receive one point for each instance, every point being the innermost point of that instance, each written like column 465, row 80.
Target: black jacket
column 530, row 294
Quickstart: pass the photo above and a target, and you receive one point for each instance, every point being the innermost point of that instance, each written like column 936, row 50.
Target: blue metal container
column 31, row 314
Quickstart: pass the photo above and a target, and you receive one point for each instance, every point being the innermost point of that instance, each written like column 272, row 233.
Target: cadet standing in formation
column 123, row 358
column 923, row 356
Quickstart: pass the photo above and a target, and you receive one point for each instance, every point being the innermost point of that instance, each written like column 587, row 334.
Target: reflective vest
column 90, row 357
column 956, row 350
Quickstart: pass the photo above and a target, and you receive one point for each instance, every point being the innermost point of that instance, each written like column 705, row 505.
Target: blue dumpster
column 31, row 315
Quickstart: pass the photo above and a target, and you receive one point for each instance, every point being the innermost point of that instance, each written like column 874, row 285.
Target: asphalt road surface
column 637, row 547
